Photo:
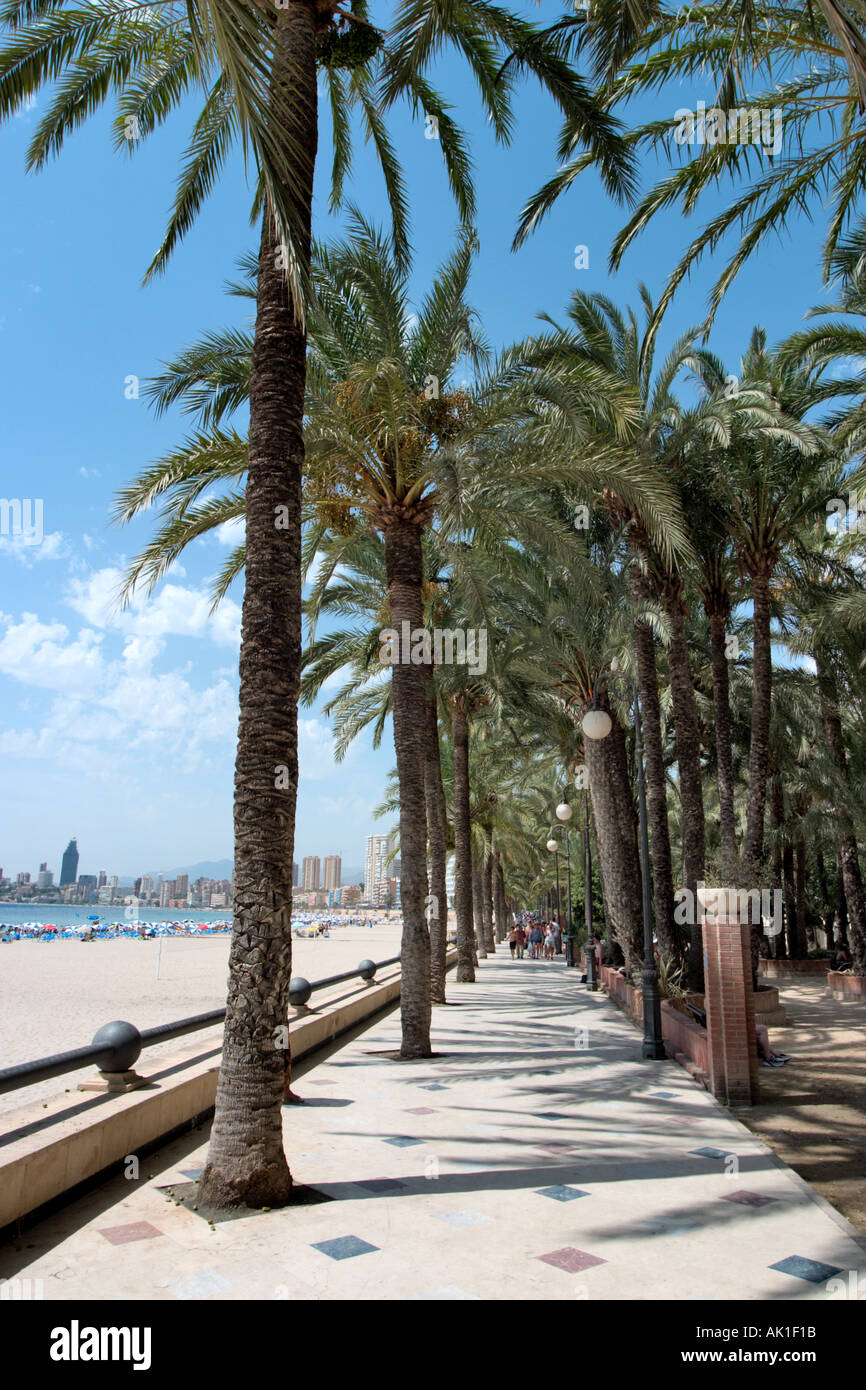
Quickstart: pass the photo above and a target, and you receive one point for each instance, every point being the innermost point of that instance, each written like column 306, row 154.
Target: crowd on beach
column 95, row 930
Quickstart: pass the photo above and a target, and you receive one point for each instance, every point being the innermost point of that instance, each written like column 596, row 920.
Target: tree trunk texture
column 616, row 839
column 759, row 744
column 462, row 841
column 840, row 915
column 724, row 747
column 687, row 745
column 777, row 821
column 669, row 935
column 846, row 841
column 437, row 839
column 487, row 904
column 800, row 905
column 499, row 898
column 478, row 910
column 246, row 1163
column 405, row 571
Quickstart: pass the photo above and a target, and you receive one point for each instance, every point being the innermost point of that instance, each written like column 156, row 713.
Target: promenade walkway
column 538, row 1156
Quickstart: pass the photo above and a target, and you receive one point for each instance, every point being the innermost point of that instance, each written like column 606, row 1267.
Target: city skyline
column 329, row 872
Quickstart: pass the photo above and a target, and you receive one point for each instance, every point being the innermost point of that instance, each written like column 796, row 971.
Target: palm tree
column 803, row 64
column 258, row 68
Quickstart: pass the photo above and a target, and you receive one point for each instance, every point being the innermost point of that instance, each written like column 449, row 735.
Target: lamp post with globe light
column 563, row 814
column 553, row 846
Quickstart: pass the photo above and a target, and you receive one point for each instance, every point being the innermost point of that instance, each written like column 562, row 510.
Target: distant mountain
column 222, row 868
column 206, row 868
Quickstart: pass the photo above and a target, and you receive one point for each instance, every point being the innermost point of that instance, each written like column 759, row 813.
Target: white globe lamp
column 596, row 723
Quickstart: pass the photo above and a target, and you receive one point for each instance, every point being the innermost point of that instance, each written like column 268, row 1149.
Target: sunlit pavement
column 537, row 1156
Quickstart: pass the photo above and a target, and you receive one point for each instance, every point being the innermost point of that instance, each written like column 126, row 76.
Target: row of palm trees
column 357, row 430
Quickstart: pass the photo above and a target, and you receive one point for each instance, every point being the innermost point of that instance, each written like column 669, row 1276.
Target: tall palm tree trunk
column 840, row 914
column 846, row 841
column 759, row 743
column 246, row 1164
column 499, row 898
column 462, row 841
column 616, row 839
column 487, row 904
column 478, row 910
column 656, row 785
column 437, row 839
column 687, row 744
column 724, row 742
column 405, row 569
column 800, row 877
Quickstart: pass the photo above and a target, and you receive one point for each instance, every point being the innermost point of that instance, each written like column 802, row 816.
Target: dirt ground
column 813, row 1111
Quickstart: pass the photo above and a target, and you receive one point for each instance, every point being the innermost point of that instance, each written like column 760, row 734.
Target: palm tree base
column 267, row 1185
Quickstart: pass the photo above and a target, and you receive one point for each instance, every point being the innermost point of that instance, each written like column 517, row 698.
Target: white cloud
column 231, row 533
column 51, row 547
column 174, row 611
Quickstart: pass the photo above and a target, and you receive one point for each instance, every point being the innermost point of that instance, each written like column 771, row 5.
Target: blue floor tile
column 801, row 1268
column 560, row 1193
column 403, row 1143
column 711, row 1153
column 463, row 1219
column 344, row 1247
column 434, row 1086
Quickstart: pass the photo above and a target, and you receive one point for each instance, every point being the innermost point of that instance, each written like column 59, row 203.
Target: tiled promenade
column 537, row 1157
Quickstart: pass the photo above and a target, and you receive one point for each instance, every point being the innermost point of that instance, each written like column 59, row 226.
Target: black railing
column 117, row 1046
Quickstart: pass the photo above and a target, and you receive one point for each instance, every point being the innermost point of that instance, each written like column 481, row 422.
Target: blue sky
column 120, row 728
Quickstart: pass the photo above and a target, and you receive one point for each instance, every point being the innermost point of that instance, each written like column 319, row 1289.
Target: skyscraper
column 332, row 870
column 377, row 867
column 69, row 866
column 294, row 875
column 310, row 873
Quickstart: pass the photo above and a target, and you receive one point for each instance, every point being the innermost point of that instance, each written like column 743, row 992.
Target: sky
column 118, row 727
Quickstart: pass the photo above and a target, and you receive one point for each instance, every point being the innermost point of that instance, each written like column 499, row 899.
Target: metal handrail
column 117, row 1046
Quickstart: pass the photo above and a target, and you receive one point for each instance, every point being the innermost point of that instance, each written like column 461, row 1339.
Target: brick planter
column 846, row 988
column 685, row 1039
column 622, row 993
column 769, row 1008
column 784, row 969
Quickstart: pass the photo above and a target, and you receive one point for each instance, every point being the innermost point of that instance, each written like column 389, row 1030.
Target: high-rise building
column 102, row 880
column 294, row 875
column 181, row 886
column 69, row 866
column 331, row 872
column 310, row 873
column 45, row 878
column 377, row 867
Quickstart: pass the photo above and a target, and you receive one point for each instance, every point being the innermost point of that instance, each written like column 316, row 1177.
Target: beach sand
column 54, row 997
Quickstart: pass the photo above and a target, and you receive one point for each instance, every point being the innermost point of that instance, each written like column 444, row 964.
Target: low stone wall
column 684, row 1037
column 622, row 992
column 783, row 969
column 50, row 1148
column 846, row 988
column 769, row 1008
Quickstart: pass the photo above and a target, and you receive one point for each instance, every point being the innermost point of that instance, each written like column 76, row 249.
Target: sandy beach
column 55, row 997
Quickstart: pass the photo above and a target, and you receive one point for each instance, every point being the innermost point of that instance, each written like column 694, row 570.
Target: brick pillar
column 730, row 1005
